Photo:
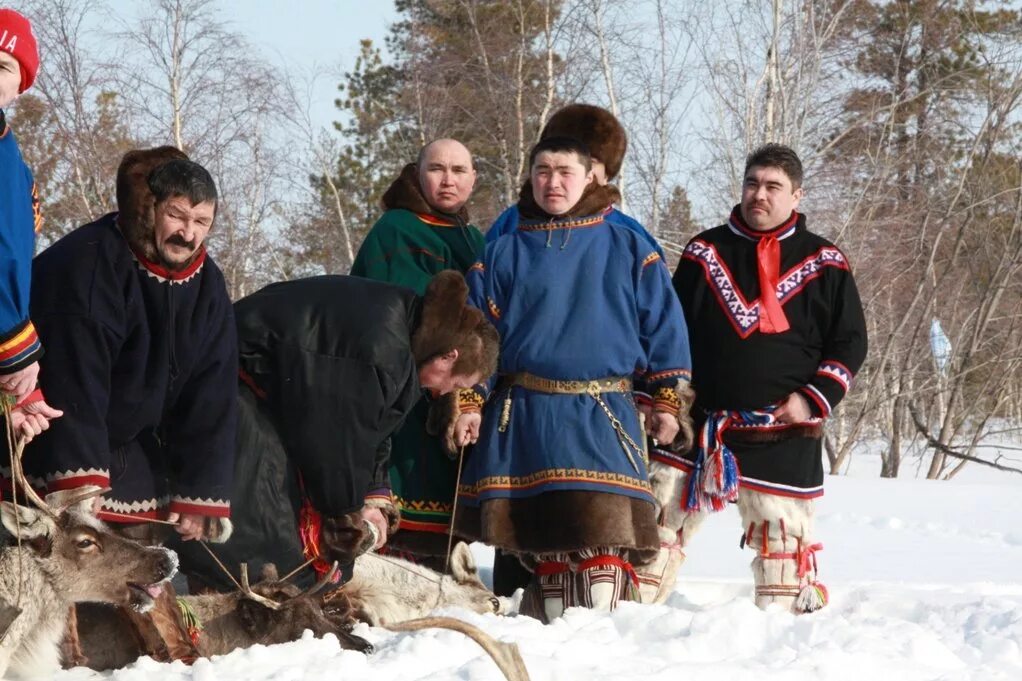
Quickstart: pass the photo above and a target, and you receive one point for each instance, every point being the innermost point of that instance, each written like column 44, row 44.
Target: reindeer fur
column 65, row 558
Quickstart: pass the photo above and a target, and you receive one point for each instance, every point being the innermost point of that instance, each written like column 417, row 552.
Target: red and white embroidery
column 744, row 315
column 837, row 371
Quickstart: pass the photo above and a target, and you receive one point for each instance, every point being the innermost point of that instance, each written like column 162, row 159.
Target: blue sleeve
column 662, row 328
column 505, row 223
column 19, row 343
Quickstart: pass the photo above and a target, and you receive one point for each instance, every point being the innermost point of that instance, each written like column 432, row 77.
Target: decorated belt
column 612, row 384
column 594, row 388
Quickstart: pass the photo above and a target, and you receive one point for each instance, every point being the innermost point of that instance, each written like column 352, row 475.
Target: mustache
column 178, row 240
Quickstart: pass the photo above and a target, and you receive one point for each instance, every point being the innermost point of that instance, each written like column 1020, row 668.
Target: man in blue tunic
column 559, row 475
column 607, row 141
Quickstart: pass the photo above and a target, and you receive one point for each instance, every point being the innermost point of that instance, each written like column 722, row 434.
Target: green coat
column 408, row 248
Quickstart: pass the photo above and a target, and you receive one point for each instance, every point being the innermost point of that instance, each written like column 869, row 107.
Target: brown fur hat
column 135, row 202
column 448, row 323
column 597, row 128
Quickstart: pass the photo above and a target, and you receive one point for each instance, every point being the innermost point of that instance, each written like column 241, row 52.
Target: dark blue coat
column 144, row 364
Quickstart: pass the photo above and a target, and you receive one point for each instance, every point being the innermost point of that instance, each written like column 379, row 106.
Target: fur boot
column 551, row 591
column 602, row 578
column 657, row 578
column 779, row 529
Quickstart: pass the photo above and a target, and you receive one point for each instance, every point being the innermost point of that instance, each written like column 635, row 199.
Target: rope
column 388, row 559
column 222, row 566
column 14, row 449
column 450, row 529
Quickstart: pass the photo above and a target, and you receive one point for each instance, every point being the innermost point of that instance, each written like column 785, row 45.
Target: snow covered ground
column 925, row 581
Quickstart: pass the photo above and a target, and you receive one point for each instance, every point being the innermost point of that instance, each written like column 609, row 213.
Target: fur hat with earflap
column 595, row 127
column 135, row 202
column 447, row 323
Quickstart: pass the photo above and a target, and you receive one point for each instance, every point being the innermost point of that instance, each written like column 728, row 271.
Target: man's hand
column 466, row 428
column 33, row 418
column 794, row 409
column 21, row 382
column 663, row 427
column 189, row 525
column 375, row 517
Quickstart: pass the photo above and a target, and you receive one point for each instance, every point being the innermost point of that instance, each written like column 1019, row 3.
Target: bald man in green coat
column 424, row 230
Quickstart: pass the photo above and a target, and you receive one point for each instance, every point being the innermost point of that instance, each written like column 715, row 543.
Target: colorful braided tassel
column 713, row 482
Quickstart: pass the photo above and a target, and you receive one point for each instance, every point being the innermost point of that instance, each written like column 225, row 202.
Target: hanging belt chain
column 594, row 388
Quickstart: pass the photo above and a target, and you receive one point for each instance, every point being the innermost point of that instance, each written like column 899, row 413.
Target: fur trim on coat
column 564, row 521
column 597, row 128
column 406, row 192
column 738, row 435
column 595, row 199
column 135, row 202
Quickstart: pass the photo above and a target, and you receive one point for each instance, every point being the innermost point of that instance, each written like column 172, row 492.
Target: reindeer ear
column 269, row 573
column 26, row 523
column 463, row 565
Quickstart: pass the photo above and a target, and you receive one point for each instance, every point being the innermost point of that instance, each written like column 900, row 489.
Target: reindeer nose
column 166, row 565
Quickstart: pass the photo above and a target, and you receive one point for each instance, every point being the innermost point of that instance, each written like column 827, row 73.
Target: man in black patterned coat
column 767, row 371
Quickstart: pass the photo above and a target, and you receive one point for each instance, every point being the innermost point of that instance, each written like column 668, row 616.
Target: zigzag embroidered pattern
column 837, row 371
column 744, row 316
column 200, row 502
column 423, row 506
column 138, row 506
column 550, row 475
column 80, row 473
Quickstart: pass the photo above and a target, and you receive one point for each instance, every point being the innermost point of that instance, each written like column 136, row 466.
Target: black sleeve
column 336, row 416
column 844, row 348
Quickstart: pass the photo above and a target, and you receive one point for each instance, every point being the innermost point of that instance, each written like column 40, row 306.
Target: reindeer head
column 87, row 561
column 471, row 593
column 276, row 611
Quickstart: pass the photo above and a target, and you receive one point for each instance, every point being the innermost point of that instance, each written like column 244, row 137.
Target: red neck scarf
column 768, row 259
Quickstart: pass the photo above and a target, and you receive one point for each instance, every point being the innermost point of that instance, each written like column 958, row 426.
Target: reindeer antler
column 506, row 655
column 248, row 593
column 323, row 581
column 16, row 446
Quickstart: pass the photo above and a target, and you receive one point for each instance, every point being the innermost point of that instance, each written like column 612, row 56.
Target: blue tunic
column 574, row 299
column 19, row 217
column 507, row 222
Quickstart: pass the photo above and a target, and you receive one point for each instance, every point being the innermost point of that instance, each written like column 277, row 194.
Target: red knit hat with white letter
column 16, row 38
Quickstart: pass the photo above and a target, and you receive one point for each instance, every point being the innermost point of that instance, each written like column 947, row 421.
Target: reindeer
column 63, row 556
column 272, row 611
column 384, row 591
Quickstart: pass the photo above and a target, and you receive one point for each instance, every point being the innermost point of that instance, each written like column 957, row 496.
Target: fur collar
column 595, row 199
column 405, row 192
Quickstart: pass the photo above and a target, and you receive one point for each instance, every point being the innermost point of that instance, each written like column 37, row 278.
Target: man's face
column 446, row 175
column 558, row 180
column 768, row 197
column 10, row 78
column 438, row 375
column 180, row 229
